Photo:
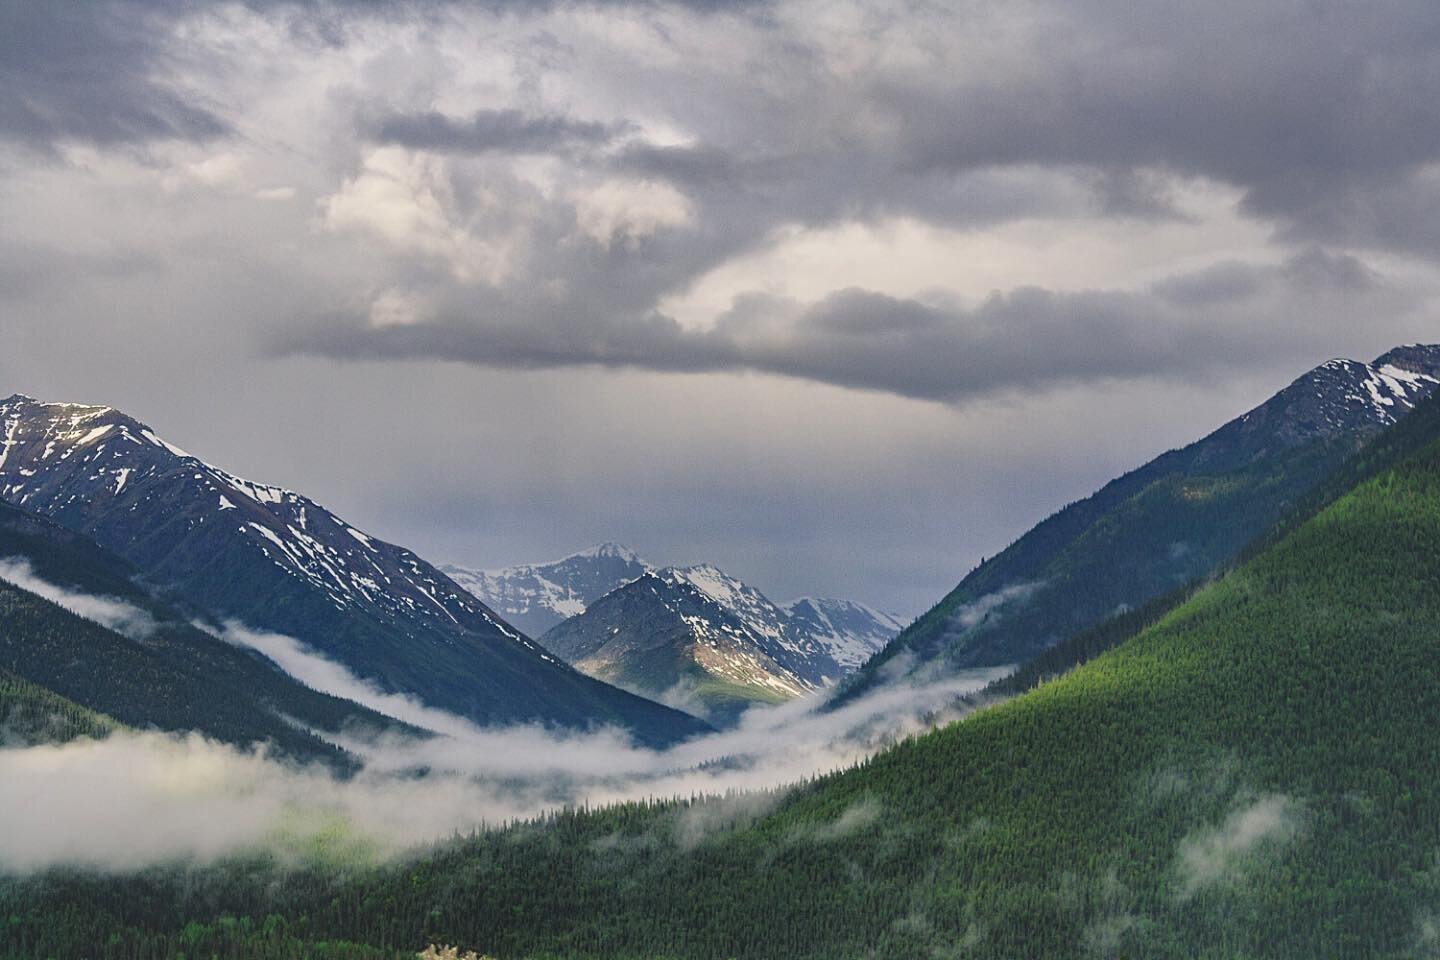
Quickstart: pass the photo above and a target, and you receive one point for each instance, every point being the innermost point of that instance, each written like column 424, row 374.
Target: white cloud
column 408, row 200
column 328, row 676
column 169, row 797
column 1218, row 854
column 394, row 307
column 972, row 614
column 109, row 612
column 624, row 212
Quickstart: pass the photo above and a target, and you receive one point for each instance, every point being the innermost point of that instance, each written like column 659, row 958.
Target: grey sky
column 840, row 296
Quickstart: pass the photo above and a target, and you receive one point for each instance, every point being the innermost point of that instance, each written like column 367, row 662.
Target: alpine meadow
column 1008, row 434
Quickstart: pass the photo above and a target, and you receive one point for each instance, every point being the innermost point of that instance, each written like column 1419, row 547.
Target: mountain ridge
column 699, row 637
column 538, row 596
column 277, row 560
column 1257, row 773
column 1155, row 528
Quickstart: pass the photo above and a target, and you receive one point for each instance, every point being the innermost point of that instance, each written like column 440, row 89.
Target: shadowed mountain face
column 276, row 560
column 103, row 642
column 698, row 637
column 1163, row 525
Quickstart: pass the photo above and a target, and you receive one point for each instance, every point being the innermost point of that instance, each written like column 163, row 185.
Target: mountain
column 850, row 632
column 537, row 596
column 1164, row 525
column 276, row 560
column 699, row 637
column 146, row 665
column 1257, row 774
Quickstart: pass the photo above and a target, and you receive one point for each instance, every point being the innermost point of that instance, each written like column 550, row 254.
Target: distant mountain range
column 1169, row 523
column 224, row 548
column 693, row 636
column 538, row 596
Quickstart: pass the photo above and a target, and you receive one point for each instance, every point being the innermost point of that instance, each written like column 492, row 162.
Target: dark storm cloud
column 1312, row 269
column 1315, row 113
column 500, row 131
column 1318, row 112
column 94, row 72
column 88, row 72
column 1312, row 112
column 835, row 140
column 691, row 166
column 1301, row 105
column 1029, row 339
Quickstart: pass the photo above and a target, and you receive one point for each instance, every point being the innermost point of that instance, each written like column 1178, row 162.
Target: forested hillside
column 1159, row 527
column 166, row 674
column 226, row 548
column 1257, row 774
column 30, row 714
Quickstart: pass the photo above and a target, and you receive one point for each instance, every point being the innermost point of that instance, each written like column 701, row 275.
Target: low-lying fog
column 144, row 797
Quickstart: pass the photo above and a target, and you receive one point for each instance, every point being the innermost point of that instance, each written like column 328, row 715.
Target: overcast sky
column 839, row 296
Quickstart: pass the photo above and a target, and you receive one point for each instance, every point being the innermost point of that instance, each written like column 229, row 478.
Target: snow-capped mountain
column 276, row 560
column 699, row 637
column 537, row 596
column 1339, row 397
column 850, row 632
column 1168, row 523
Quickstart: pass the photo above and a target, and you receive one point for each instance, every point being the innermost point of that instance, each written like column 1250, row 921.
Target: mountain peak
column 1421, row 358
column 610, row 550
column 703, row 569
column 277, row 561
column 24, row 399
column 710, row 580
column 1342, row 395
column 674, row 633
column 537, row 596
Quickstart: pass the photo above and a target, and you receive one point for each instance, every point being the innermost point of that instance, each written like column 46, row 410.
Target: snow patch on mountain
column 81, row 458
column 701, row 639
column 851, row 632
column 537, row 596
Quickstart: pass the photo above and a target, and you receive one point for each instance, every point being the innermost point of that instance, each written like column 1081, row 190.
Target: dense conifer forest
column 30, row 714
column 169, row 675
column 1252, row 775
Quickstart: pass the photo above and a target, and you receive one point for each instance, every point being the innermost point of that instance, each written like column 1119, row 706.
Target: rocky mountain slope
column 537, row 596
column 699, row 637
column 103, row 642
column 276, row 560
column 850, row 632
column 1166, row 524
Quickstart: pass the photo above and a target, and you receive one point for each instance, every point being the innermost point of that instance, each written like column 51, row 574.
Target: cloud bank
column 181, row 798
column 606, row 229
column 117, row 615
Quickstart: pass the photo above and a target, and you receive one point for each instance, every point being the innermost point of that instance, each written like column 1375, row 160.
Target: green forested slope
column 1255, row 775
column 30, row 714
column 1168, row 523
column 175, row 678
